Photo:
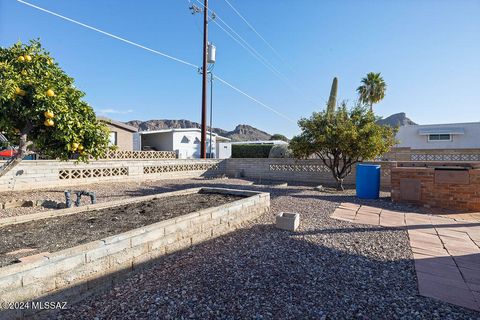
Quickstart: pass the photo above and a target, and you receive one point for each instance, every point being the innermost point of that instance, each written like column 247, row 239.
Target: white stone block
column 287, row 221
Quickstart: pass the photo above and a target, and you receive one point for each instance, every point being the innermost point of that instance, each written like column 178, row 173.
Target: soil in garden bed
column 55, row 234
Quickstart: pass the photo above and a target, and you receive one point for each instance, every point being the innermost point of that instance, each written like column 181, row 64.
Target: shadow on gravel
column 382, row 229
column 265, row 273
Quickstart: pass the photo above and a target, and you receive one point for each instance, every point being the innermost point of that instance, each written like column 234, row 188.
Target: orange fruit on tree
column 21, row 59
column 80, row 147
column 74, row 146
column 48, row 114
column 50, row 93
column 20, row 92
column 49, row 123
column 28, row 58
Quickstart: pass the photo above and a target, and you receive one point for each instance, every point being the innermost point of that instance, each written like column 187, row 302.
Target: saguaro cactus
column 332, row 100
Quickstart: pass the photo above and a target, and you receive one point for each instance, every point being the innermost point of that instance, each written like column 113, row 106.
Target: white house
column 186, row 142
column 440, row 136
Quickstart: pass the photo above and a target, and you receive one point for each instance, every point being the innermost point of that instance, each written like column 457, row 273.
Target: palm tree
column 372, row 89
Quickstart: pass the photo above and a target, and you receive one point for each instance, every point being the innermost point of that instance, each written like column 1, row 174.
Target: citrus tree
column 42, row 111
column 341, row 138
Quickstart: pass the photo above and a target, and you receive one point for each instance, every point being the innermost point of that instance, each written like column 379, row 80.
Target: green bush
column 251, row 150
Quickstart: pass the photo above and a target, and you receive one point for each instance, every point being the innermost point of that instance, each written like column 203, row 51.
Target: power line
column 253, row 99
column 256, row 32
column 159, row 53
column 250, row 49
column 110, row 35
column 242, row 42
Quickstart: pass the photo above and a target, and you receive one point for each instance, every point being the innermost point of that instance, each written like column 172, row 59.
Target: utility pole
column 203, row 147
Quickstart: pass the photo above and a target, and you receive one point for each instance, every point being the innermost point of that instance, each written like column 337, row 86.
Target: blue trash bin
column 368, row 181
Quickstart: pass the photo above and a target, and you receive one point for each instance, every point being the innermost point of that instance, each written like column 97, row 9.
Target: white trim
column 183, row 130
column 441, row 130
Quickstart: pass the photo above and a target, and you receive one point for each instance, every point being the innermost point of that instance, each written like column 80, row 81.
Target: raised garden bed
column 54, row 234
column 92, row 246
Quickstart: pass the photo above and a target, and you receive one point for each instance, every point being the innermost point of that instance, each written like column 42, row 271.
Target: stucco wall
column 190, row 150
column 124, row 137
column 408, row 137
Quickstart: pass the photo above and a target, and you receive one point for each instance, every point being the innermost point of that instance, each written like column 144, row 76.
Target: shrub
column 280, row 151
column 251, row 150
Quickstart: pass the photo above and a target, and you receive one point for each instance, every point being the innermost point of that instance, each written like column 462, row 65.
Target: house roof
column 186, row 130
column 261, row 142
column 441, row 130
column 118, row 124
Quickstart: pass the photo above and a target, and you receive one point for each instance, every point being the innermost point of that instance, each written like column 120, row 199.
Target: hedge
column 251, row 150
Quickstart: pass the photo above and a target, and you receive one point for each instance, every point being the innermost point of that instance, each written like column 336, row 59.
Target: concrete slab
column 446, row 251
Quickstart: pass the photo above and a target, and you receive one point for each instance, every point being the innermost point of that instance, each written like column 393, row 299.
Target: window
column 440, row 137
column 113, row 138
column 185, row 140
column 197, row 141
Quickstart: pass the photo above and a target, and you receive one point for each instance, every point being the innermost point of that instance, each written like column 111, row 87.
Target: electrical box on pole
column 211, row 53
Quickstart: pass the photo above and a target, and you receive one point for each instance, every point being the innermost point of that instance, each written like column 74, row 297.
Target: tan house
column 121, row 134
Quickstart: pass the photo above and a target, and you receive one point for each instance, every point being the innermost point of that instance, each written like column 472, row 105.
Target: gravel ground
column 329, row 269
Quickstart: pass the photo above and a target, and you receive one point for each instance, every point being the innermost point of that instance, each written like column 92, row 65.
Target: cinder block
column 162, row 242
column 30, row 291
column 147, row 237
column 287, row 221
column 108, row 249
column 177, row 227
column 220, row 230
column 82, row 273
column 178, row 245
column 220, row 213
column 201, row 236
column 10, row 282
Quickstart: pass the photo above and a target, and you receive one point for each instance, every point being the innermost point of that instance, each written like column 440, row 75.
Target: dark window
column 439, row 137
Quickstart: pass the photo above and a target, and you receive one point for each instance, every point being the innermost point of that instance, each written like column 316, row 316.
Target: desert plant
column 251, row 150
column 372, row 89
column 342, row 138
column 278, row 136
column 280, row 151
column 332, row 100
column 40, row 108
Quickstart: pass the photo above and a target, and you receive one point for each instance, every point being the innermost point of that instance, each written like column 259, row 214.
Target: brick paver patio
column 446, row 251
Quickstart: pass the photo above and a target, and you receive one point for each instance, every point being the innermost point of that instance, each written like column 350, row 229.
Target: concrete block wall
column 409, row 154
column 47, row 174
column 309, row 171
column 30, row 175
column 71, row 274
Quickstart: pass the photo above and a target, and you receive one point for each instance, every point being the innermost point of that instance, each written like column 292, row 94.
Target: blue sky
column 427, row 51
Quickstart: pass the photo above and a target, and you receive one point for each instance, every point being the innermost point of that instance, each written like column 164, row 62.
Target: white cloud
column 114, row 111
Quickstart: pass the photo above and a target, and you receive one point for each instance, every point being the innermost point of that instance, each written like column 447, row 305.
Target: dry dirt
column 54, row 234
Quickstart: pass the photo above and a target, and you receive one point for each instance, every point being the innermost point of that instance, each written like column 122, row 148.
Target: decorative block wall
column 39, row 174
column 309, row 171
